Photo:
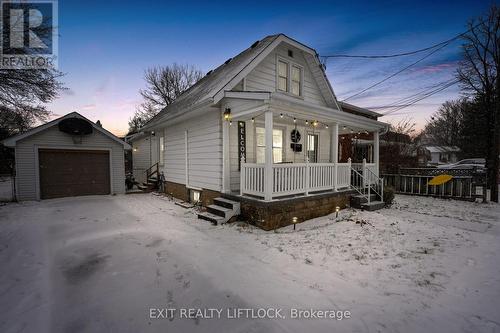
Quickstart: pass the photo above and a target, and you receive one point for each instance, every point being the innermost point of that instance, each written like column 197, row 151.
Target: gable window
column 261, row 145
column 282, row 76
column 296, row 80
column 290, row 77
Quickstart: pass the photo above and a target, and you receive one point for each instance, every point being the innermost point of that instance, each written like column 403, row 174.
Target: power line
column 424, row 96
column 403, row 101
column 404, row 53
column 398, row 72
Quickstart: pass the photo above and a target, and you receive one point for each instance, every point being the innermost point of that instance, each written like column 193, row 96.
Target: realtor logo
column 29, row 35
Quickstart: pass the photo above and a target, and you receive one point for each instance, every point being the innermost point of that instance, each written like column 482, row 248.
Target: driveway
column 103, row 263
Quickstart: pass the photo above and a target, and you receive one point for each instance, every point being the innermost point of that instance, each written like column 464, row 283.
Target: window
column 277, row 145
column 290, row 77
column 162, row 150
column 312, row 147
column 282, row 76
column 296, row 79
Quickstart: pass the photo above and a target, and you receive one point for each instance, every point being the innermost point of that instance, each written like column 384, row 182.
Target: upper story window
column 296, row 80
column 282, row 76
column 290, row 78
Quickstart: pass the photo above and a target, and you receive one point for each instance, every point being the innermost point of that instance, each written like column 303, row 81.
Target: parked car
column 470, row 163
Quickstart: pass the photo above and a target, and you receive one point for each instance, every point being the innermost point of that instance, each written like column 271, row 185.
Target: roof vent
column 228, row 61
column 209, row 72
column 290, row 53
column 255, row 44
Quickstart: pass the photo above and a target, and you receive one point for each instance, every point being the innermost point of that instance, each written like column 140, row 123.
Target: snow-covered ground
column 101, row 263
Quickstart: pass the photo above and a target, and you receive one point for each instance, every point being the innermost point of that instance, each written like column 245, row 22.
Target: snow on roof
column 11, row 142
column 206, row 87
column 442, row 149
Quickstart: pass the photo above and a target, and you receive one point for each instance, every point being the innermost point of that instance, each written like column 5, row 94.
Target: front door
column 312, row 147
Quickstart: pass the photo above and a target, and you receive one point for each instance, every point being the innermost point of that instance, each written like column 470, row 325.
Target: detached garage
column 69, row 156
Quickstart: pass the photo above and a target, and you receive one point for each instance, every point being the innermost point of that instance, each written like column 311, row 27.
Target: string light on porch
column 307, row 122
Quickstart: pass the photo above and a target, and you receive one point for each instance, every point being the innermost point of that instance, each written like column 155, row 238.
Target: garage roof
column 11, row 142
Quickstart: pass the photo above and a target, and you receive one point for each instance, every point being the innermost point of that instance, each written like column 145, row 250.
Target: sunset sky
column 104, row 48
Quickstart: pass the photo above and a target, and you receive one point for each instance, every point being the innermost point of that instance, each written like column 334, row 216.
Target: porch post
column 268, row 166
column 334, row 152
column 226, row 184
column 376, row 142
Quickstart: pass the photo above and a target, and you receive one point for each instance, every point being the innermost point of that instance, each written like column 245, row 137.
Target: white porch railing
column 252, row 179
column 294, row 178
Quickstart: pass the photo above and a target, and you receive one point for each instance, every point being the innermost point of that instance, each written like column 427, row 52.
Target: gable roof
column 347, row 107
column 11, row 142
column 212, row 86
column 442, row 149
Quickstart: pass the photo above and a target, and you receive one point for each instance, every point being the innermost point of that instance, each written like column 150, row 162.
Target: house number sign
column 242, row 143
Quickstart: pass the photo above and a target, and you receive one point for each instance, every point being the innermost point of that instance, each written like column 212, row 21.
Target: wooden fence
column 466, row 184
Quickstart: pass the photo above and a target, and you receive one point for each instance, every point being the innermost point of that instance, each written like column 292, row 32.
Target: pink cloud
column 436, row 68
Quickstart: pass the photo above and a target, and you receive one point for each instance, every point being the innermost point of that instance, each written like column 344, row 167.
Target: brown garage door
column 66, row 173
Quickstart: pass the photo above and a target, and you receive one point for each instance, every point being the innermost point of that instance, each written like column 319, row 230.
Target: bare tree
column 398, row 147
column 163, row 85
column 445, row 126
column 23, row 92
column 478, row 74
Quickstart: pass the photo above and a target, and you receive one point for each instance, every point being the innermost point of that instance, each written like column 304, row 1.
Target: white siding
column 204, row 151
column 27, row 156
column 263, row 76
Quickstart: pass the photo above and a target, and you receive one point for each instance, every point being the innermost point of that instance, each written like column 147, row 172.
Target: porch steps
column 221, row 211
column 358, row 200
column 149, row 185
column 373, row 205
column 361, row 202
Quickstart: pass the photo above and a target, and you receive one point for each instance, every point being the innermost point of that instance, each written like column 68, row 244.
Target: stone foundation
column 277, row 214
column 180, row 191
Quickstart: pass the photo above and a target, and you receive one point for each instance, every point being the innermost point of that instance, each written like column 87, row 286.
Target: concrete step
column 358, row 200
column 143, row 188
column 231, row 204
column 220, row 211
column 184, row 204
column 215, row 219
column 373, row 205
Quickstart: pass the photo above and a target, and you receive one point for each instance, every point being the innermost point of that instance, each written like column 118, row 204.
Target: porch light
column 253, row 120
column 337, row 209
column 281, row 115
column 135, row 148
column 294, row 120
column 230, row 123
column 227, row 114
column 326, row 126
column 307, row 122
column 344, row 128
column 315, row 123
column 294, row 221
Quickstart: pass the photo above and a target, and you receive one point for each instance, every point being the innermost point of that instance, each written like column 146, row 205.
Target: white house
column 263, row 128
column 441, row 154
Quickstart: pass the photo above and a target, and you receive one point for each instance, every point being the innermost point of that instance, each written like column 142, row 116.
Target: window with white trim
column 296, row 81
column 282, row 76
column 290, row 77
column 162, row 150
column 261, row 145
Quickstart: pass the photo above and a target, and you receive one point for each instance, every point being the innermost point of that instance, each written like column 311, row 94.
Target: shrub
column 388, row 195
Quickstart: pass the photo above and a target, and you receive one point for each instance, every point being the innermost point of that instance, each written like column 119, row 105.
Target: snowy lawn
column 101, row 263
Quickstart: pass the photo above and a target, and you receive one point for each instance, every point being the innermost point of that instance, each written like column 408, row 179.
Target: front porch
column 312, row 151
